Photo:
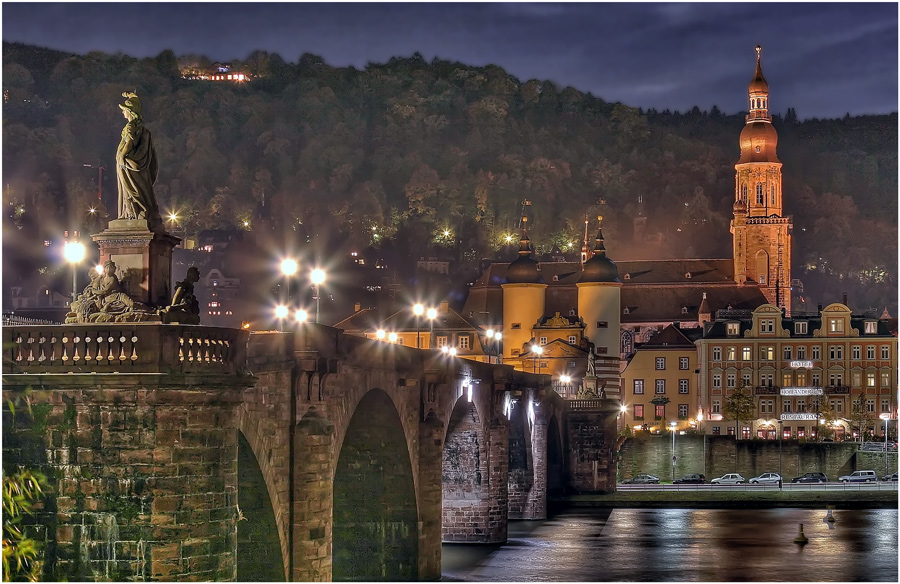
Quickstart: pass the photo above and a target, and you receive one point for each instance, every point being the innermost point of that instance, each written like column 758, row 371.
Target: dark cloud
column 822, row 59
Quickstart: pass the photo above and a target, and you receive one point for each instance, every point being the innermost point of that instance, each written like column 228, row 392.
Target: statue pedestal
column 143, row 259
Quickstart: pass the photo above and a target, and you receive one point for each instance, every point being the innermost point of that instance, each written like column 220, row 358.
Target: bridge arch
column 259, row 553
column 465, row 474
column 375, row 515
column 555, row 459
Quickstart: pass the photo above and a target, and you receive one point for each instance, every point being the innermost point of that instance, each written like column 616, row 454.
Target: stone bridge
column 198, row 453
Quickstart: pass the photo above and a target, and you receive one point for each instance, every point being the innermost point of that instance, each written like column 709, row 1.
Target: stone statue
column 136, row 166
column 104, row 301
column 184, row 308
column 591, row 367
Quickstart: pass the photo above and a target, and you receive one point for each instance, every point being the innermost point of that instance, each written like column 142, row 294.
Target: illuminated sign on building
column 801, row 391
column 801, row 364
column 798, row 417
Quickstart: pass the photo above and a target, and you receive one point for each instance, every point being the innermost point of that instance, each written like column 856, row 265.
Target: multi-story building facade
column 659, row 384
column 794, row 367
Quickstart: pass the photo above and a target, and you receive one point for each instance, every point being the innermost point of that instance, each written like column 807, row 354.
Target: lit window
column 661, row 411
column 767, row 353
column 835, row 325
column 732, row 328
column 870, row 379
column 638, row 412
column 745, row 353
column 572, row 340
column 464, row 341
column 441, row 341
column 732, row 354
column 638, row 386
column 871, row 327
column 885, row 379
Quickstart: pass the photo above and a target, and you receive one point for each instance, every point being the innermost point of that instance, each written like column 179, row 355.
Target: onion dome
column 599, row 268
column 758, row 84
column 758, row 143
column 524, row 269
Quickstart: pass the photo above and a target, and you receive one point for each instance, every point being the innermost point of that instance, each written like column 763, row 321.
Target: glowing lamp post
column 418, row 310
column 317, row 277
column 74, row 253
column 565, row 380
column 288, row 269
column 672, row 426
column 886, row 417
column 537, row 351
column 392, row 337
column 431, row 314
column 301, row 316
column 281, row 312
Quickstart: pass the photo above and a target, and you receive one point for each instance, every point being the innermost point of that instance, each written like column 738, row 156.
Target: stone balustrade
column 122, row 348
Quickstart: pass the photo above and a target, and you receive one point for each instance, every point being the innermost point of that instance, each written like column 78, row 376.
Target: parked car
column 690, row 479
column 860, row 476
column 811, row 477
column 891, row 477
column 642, row 479
column 766, row 478
column 731, row 478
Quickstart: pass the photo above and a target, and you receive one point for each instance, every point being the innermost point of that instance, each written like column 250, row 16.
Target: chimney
column 844, row 299
column 356, row 307
column 445, row 306
column 820, row 308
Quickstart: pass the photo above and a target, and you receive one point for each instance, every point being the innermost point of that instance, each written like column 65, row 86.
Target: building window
column 816, row 352
column 516, row 326
column 835, row 325
column 638, row 386
column 661, row 412
column 885, row 379
column 836, row 405
column 683, row 386
column 660, row 363
column 716, row 407
column 801, row 379
column 767, row 353
column 870, row 406
column 683, row 363
column 856, row 352
column 717, row 353
column 801, row 405
column 441, row 341
column 885, row 352
column 464, row 341
column 787, row 353
column 638, row 411
column 786, row 380
column 760, row 198
column 801, row 353
column 660, row 386
column 682, row 410
column 767, row 325
column 732, row 353
column 766, row 379
column 871, row 327
column 717, row 381
column 835, row 352
column 870, row 352
column 745, row 353
column 885, row 406
column 800, row 328
column 870, row 379
column 572, row 339
column 732, row 328
column 746, row 378
column 716, row 430
column 786, row 406
column 542, row 341
column 836, row 379
column 731, row 380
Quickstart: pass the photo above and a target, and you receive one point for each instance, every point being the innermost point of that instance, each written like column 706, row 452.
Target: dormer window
column 871, row 327
column 627, row 276
column 732, row 328
column 684, row 310
column 555, row 278
column 687, row 275
column 625, row 310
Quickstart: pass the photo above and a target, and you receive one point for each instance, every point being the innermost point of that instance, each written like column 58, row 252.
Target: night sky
column 824, row 60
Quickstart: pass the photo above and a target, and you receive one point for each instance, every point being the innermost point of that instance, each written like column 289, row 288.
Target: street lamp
column 672, row 426
column 431, row 314
column 317, row 276
column 886, row 417
column 537, row 351
column 74, row 253
column 392, row 337
column 379, row 334
column 301, row 316
column 780, row 437
column 418, row 310
column 288, row 269
column 281, row 312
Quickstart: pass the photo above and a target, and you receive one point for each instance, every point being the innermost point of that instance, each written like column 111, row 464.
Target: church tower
column 523, row 297
column 762, row 234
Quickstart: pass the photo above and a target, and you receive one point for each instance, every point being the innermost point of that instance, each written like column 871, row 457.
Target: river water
column 696, row 545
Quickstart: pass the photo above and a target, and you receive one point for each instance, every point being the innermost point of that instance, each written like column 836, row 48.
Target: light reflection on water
column 698, row 545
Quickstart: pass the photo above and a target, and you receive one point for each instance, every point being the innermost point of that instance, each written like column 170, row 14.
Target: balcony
column 837, row 390
column 766, row 390
column 123, row 348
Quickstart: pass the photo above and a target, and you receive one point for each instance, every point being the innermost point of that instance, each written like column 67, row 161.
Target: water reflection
column 699, row 545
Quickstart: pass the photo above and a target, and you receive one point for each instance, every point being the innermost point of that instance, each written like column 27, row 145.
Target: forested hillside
column 407, row 149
